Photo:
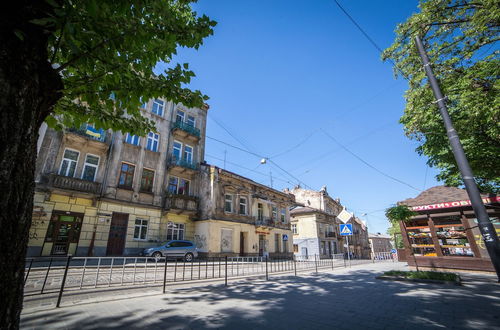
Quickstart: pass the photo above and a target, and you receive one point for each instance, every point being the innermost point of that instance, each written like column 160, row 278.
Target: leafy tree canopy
column 399, row 213
column 105, row 52
column 461, row 38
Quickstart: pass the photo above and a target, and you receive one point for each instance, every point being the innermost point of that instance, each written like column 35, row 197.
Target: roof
column 304, row 209
column 438, row 194
column 378, row 235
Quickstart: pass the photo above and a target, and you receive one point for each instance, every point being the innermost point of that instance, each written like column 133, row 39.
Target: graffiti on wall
column 226, row 241
column 200, row 241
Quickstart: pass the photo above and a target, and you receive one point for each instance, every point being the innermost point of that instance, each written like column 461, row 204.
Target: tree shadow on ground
column 318, row 301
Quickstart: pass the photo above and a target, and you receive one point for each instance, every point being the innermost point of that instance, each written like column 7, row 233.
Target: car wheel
column 188, row 257
column 157, row 256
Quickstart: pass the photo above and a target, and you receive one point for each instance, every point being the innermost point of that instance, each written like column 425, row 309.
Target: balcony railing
column 89, row 132
column 183, row 163
column 181, row 202
column 66, row 182
column 186, row 128
column 269, row 222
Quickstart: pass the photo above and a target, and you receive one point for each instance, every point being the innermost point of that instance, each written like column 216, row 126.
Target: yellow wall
column 208, row 237
column 306, row 226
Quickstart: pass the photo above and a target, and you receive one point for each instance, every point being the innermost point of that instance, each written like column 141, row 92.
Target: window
column 243, row 205
column 90, row 167
column 68, row 164
column 285, row 246
column 173, row 183
column 183, row 187
column 191, row 121
column 179, row 117
column 228, row 203
column 126, row 175
column 294, row 228
column 175, row 231
column 274, row 212
column 132, row 139
column 296, row 248
column 140, row 229
column 147, row 180
column 176, row 153
column 188, row 154
column 283, row 215
column 158, row 107
column 277, row 242
column 260, row 211
column 153, row 140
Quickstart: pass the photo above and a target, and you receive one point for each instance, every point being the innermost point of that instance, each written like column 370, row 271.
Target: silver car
column 173, row 249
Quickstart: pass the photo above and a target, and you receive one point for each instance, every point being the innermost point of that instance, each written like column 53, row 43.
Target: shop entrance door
column 117, row 234
column 262, row 245
column 242, row 244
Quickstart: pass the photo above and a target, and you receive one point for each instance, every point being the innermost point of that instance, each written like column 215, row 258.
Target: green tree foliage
column 395, row 214
column 105, row 52
column 461, row 38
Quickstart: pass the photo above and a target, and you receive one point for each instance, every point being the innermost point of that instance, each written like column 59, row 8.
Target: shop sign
column 445, row 205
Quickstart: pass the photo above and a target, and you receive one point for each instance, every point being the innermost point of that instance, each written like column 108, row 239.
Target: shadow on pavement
column 319, row 301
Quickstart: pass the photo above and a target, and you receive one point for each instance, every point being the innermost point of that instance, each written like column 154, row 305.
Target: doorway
column 64, row 229
column 117, row 234
column 242, row 244
column 262, row 245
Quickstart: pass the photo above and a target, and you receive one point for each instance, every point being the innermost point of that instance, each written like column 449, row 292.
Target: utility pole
column 486, row 227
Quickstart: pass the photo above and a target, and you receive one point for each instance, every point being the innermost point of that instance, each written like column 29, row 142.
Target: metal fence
column 70, row 274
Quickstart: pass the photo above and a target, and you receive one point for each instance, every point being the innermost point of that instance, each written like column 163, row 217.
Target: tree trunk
column 29, row 88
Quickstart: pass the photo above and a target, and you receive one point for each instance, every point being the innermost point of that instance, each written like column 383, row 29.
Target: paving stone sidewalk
column 343, row 299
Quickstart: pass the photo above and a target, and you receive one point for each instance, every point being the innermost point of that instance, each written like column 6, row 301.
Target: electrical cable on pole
column 485, row 225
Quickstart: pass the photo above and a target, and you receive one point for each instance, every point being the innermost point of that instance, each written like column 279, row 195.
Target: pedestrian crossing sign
column 346, row 229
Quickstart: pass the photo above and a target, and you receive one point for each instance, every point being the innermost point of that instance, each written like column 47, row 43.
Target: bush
column 426, row 275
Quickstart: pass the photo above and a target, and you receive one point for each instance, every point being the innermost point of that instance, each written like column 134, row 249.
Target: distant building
column 240, row 217
column 380, row 243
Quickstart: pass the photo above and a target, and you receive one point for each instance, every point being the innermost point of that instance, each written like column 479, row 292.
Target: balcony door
column 117, row 234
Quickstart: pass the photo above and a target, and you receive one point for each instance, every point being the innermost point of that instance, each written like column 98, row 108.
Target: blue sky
column 279, row 73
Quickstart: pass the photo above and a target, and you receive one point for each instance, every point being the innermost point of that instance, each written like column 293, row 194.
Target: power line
column 368, row 164
column 368, row 37
column 229, row 132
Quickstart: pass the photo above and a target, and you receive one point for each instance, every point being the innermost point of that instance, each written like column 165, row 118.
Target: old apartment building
column 240, row 217
column 380, row 243
column 112, row 193
column 315, row 225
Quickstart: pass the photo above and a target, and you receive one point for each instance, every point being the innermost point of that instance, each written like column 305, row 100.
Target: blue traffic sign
column 346, row 229
column 394, row 251
column 285, row 237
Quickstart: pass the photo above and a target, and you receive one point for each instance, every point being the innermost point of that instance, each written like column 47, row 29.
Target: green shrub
column 426, row 275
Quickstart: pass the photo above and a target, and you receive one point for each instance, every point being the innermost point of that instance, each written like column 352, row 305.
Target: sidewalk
column 342, row 299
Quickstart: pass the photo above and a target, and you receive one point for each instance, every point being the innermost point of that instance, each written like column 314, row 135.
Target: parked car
column 173, row 249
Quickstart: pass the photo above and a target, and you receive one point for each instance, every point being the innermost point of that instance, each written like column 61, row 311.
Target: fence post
column 225, row 277
column 267, row 273
column 28, row 273
column 46, row 275
column 63, row 281
column 316, row 262
column 344, row 263
column 165, row 274
column 294, row 266
column 373, row 257
column 175, row 270
column 332, row 261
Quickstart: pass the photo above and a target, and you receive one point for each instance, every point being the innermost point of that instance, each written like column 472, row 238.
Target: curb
column 418, row 280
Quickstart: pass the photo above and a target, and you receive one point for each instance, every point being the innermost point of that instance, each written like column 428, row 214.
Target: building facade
column 379, row 243
column 240, row 217
column 315, row 225
column 104, row 193
column 444, row 235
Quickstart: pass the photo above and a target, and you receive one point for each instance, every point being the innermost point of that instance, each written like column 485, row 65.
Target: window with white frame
column 153, row 141
column 283, row 215
column 188, row 154
column 277, row 241
column 260, row 211
column 173, row 184
column 90, row 167
column 294, row 228
column 140, row 229
column 68, row 163
column 158, row 106
column 175, row 231
column 243, row 206
column 132, row 139
column 228, row 203
column 274, row 212
column 191, row 121
column 177, row 150
column 179, row 116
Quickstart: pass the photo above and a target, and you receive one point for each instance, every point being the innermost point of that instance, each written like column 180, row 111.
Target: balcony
column 69, row 183
column 181, row 203
column 89, row 132
column 180, row 166
column 269, row 222
column 185, row 130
